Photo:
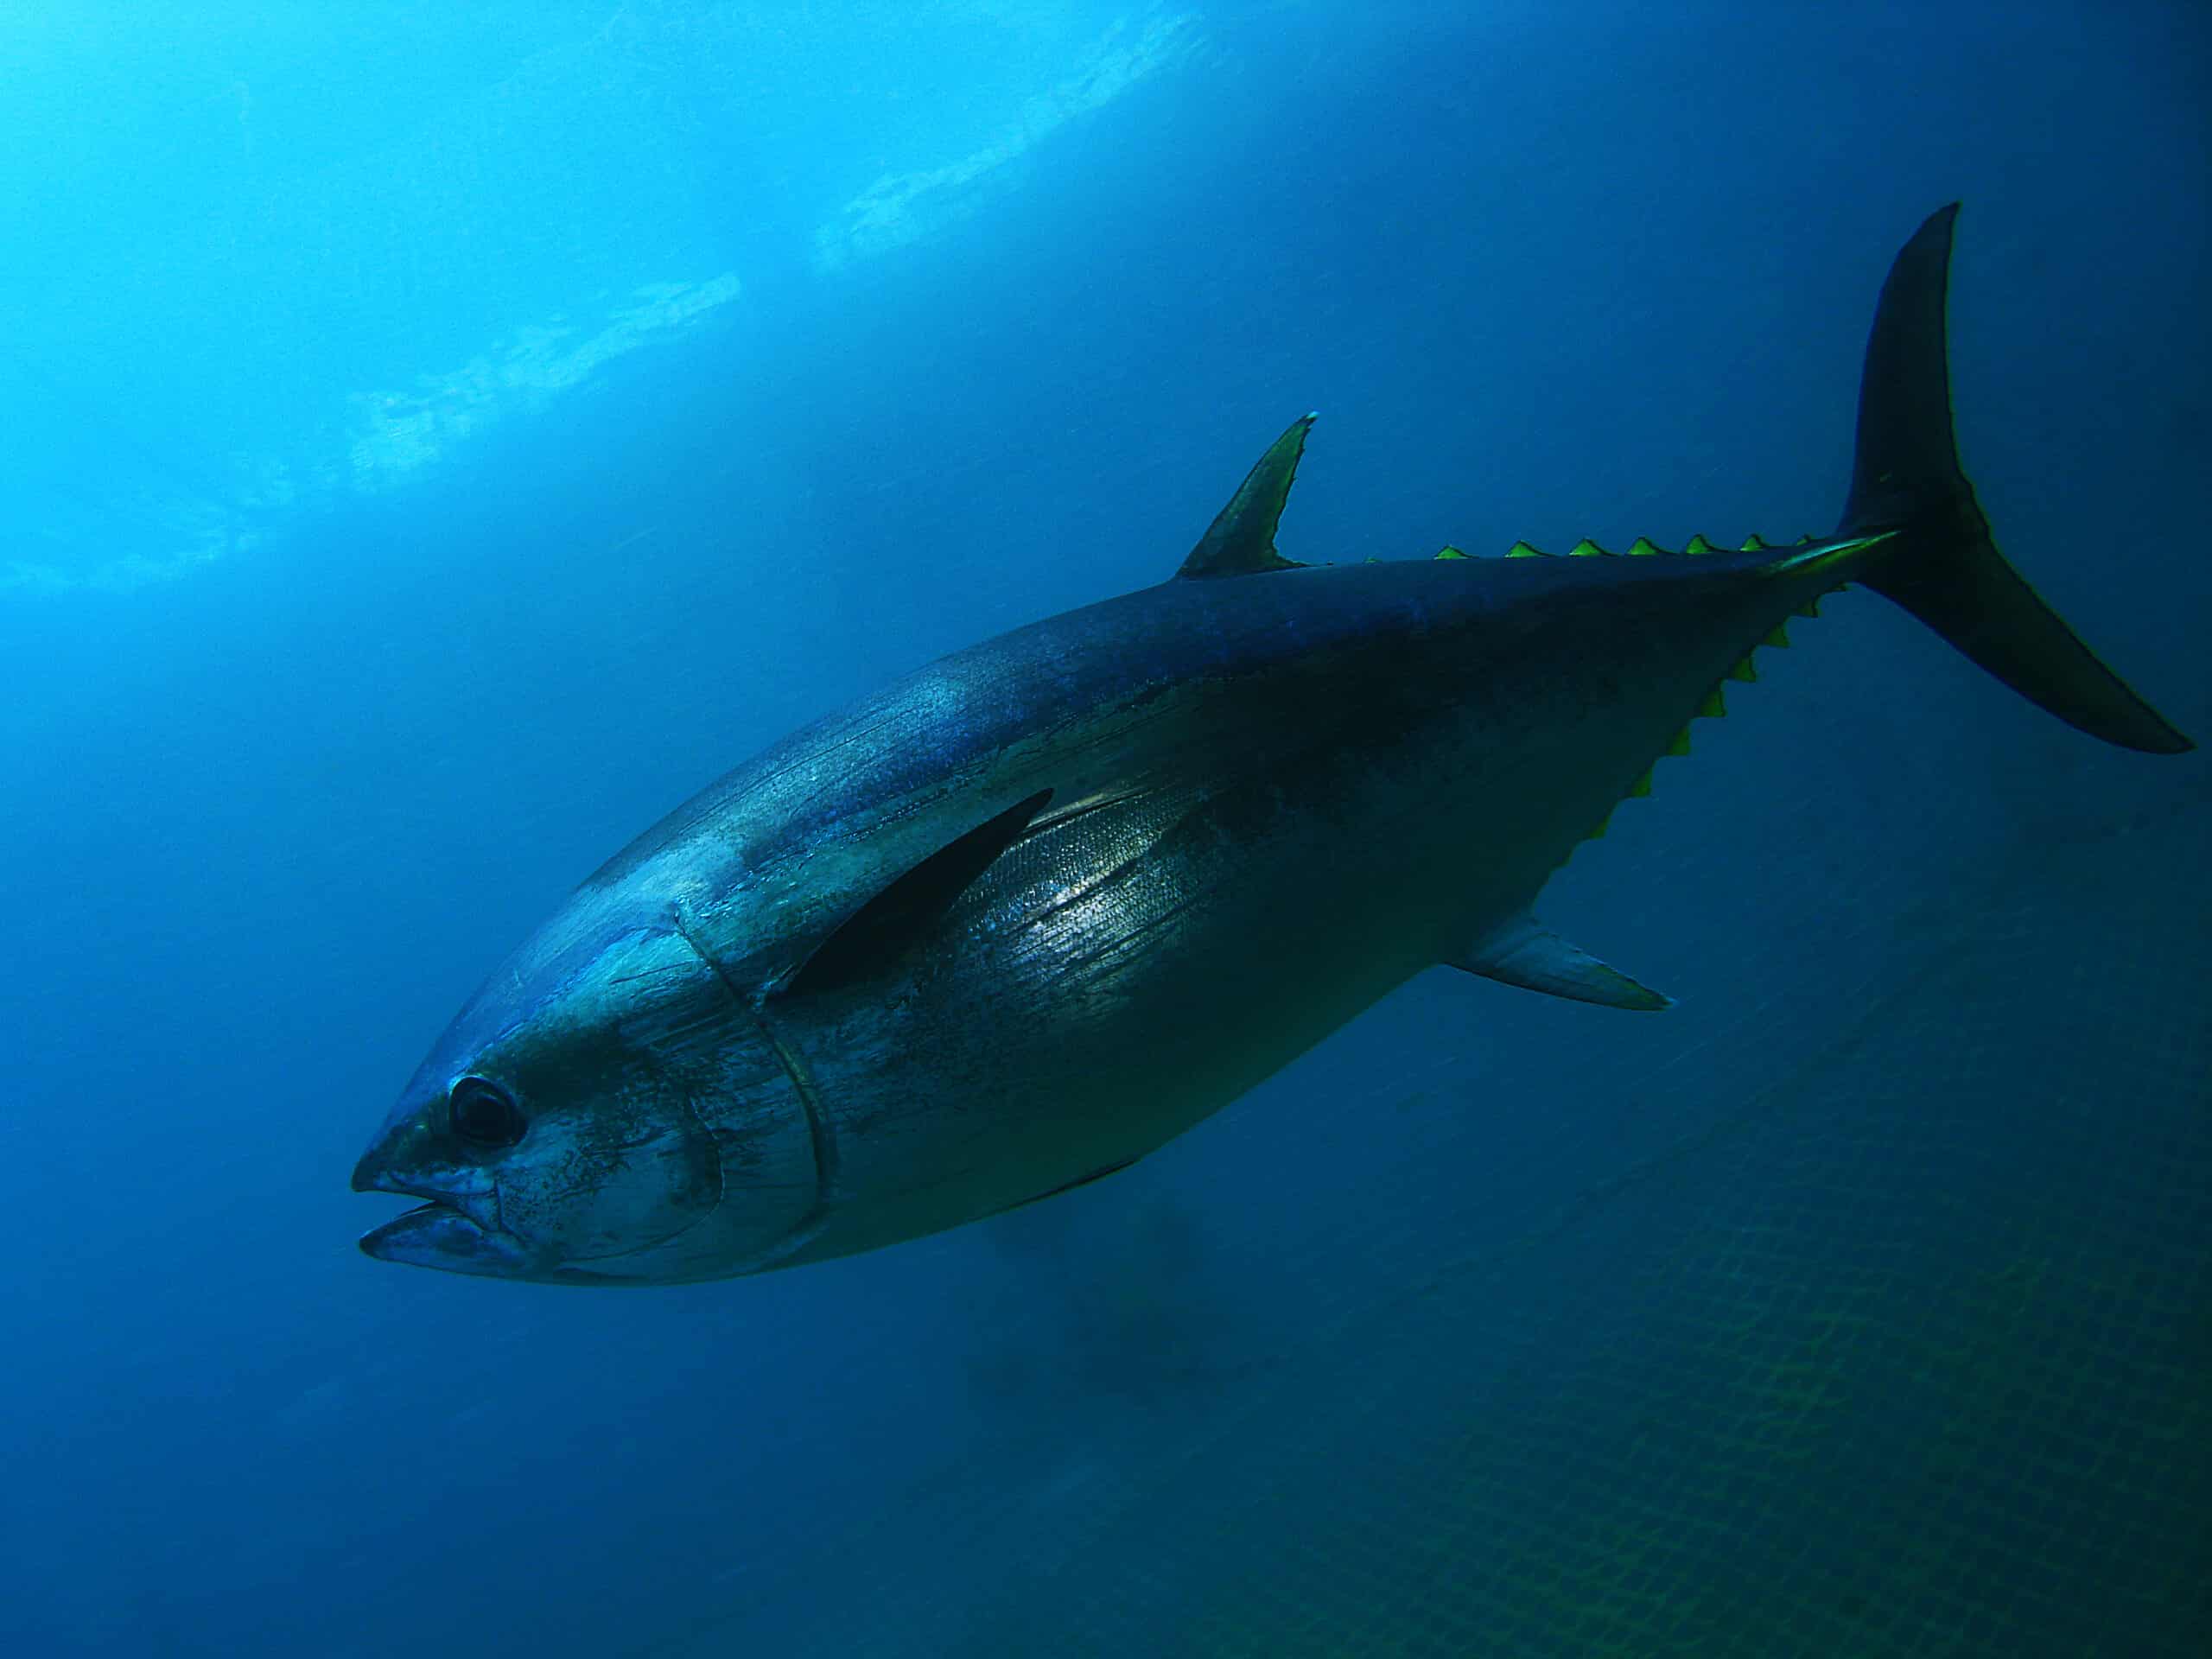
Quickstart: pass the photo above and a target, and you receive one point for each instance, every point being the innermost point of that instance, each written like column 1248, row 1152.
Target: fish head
column 604, row 1110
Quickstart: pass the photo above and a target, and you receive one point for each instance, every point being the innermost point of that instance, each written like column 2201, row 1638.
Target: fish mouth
column 435, row 1217
column 457, row 1231
column 439, row 1235
column 469, row 1193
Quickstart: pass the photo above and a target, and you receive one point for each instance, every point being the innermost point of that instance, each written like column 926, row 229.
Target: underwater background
column 439, row 439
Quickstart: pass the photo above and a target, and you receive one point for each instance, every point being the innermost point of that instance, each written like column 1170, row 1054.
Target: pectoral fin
column 900, row 917
column 1528, row 955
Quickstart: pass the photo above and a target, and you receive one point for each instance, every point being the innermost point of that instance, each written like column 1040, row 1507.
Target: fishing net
column 1874, row 1318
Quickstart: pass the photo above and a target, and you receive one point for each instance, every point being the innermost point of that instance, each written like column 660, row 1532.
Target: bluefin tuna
column 1020, row 918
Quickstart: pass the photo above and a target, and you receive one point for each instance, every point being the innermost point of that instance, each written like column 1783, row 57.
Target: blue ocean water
column 443, row 438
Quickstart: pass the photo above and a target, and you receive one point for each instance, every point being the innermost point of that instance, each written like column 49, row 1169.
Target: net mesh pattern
column 1895, row 1342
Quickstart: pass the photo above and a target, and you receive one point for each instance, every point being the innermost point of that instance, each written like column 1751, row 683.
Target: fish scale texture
column 1850, row 1355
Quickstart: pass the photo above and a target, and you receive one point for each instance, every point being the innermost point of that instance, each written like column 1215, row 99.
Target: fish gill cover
column 442, row 439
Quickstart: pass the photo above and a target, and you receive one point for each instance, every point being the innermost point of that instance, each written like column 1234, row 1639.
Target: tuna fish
column 1020, row 918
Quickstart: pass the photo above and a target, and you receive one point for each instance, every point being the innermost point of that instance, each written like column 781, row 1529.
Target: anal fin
column 1069, row 1187
column 1527, row 954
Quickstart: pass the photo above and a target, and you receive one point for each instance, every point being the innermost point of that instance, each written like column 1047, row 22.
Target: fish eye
column 483, row 1114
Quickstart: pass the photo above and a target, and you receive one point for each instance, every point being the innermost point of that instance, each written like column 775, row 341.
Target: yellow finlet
column 1713, row 706
column 1698, row 544
column 1643, row 547
column 1810, row 607
column 1753, row 545
column 1586, row 548
column 1451, row 552
column 1522, row 550
column 1777, row 637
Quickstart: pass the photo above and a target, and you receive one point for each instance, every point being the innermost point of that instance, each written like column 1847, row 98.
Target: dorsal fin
column 1242, row 540
column 873, row 936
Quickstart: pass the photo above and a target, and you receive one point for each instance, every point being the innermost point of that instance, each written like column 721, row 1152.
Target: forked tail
column 1941, row 565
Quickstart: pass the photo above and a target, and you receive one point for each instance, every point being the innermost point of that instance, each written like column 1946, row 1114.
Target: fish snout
column 457, row 1226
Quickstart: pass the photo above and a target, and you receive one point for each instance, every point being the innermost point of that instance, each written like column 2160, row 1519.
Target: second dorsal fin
column 1242, row 540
